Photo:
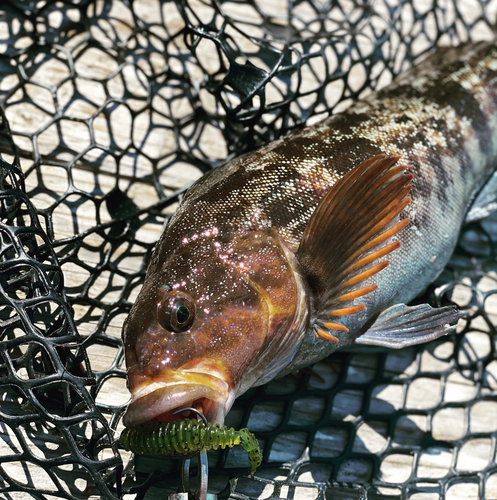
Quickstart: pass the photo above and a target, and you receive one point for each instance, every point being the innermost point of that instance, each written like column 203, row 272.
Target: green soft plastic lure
column 181, row 438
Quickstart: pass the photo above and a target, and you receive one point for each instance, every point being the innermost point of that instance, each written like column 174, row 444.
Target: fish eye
column 177, row 312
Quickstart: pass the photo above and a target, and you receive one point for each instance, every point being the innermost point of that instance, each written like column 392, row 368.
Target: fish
column 317, row 241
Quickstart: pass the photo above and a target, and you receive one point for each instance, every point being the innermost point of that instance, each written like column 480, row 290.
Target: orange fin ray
column 365, row 274
column 335, row 326
column 346, row 311
column 321, row 334
column 346, row 297
column 386, row 234
column 378, row 254
column 388, row 203
column 348, row 234
column 363, row 247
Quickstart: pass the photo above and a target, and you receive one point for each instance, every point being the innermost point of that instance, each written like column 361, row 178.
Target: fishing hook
column 203, row 470
column 194, row 410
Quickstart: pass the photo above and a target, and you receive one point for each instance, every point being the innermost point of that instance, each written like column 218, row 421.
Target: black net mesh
column 111, row 108
column 50, row 426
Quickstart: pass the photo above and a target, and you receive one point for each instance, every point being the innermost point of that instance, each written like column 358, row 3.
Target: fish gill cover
column 109, row 110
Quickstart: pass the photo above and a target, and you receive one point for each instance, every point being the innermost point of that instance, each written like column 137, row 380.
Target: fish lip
column 178, row 390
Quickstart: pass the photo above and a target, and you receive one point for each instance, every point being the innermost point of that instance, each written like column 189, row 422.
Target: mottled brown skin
column 440, row 117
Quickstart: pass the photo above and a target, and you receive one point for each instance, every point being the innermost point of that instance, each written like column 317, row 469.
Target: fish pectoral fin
column 485, row 202
column 348, row 234
column 402, row 326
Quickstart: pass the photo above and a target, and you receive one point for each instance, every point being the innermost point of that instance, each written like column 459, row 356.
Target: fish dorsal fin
column 348, row 234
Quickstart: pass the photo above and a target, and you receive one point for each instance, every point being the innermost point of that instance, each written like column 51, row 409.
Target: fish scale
column 261, row 247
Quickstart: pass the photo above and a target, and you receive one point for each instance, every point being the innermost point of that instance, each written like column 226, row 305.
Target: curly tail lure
column 182, row 438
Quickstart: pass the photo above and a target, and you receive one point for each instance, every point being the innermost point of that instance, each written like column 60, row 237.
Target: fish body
column 277, row 259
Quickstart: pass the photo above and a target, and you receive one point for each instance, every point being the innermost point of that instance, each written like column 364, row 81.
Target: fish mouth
column 159, row 400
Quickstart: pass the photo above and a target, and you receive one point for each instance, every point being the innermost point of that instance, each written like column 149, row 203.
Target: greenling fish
column 316, row 241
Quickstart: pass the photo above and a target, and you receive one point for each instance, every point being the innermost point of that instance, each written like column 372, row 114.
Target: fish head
column 214, row 318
